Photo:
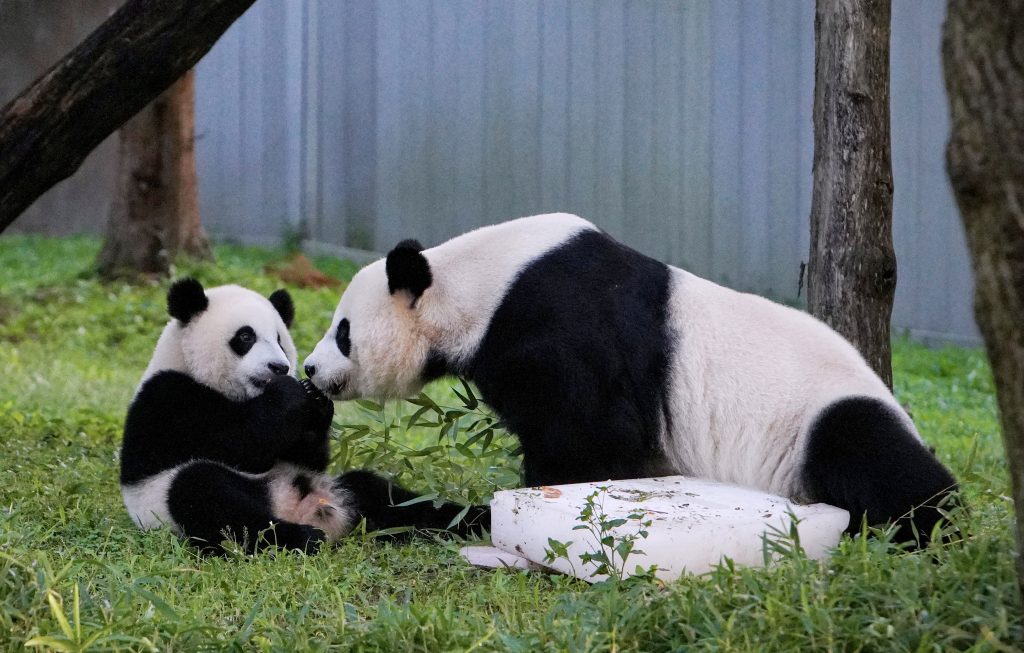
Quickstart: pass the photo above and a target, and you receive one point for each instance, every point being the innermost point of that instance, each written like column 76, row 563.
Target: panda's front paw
column 299, row 537
column 319, row 407
column 286, row 396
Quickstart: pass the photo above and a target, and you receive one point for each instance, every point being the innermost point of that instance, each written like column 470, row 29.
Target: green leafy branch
column 611, row 551
column 470, row 455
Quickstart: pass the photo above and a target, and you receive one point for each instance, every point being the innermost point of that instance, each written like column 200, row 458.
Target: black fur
column 862, row 458
column 341, row 337
column 243, row 340
column 437, row 366
column 186, row 299
column 377, row 499
column 575, row 360
column 174, row 419
column 407, row 269
column 304, row 484
column 282, row 301
column 213, row 502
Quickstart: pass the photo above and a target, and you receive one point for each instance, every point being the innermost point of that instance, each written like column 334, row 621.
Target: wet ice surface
column 693, row 524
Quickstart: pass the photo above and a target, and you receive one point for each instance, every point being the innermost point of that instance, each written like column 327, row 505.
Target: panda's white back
column 748, row 378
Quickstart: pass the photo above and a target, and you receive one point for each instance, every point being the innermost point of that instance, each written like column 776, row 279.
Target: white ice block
column 694, row 523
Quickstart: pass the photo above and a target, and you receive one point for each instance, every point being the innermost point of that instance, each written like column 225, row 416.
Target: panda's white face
column 234, row 344
column 434, row 306
column 237, row 345
column 375, row 346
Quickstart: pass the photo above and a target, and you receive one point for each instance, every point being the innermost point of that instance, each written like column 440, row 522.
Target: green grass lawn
column 75, row 573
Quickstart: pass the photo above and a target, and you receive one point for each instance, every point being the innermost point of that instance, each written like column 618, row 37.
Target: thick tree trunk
column 155, row 214
column 851, row 273
column 47, row 131
column 983, row 53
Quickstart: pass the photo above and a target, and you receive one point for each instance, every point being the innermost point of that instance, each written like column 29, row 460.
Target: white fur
column 390, row 341
column 325, row 507
column 146, row 500
column 747, row 377
column 200, row 348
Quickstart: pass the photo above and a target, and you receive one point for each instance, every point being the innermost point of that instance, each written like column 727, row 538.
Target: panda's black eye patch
column 341, row 337
column 243, row 340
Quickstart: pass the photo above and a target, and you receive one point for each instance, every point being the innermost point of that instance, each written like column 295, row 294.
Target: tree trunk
column 155, row 214
column 851, row 273
column 144, row 47
column 983, row 54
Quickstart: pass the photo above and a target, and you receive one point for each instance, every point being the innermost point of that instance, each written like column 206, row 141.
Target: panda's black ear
column 186, row 299
column 282, row 301
column 407, row 269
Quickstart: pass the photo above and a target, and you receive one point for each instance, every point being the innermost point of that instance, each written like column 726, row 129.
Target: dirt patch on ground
column 300, row 271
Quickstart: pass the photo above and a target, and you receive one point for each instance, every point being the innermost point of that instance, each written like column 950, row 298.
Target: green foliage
column 471, row 456
column 75, row 574
column 611, row 547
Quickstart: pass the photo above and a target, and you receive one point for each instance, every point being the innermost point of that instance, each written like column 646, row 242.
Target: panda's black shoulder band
column 407, row 269
column 186, row 299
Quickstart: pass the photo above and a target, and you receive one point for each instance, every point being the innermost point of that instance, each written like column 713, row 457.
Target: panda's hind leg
column 861, row 456
column 376, row 499
column 210, row 502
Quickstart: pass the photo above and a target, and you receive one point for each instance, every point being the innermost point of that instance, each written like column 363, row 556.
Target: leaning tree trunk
column 983, row 53
column 851, row 273
column 155, row 213
column 143, row 48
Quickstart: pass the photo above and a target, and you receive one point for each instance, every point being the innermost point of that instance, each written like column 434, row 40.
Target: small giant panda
column 221, row 441
column 608, row 364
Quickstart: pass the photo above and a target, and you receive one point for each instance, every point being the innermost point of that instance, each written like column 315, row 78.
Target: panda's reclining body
column 609, row 364
column 221, row 441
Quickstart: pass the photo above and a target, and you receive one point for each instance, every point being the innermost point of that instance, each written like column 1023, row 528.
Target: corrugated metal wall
column 682, row 127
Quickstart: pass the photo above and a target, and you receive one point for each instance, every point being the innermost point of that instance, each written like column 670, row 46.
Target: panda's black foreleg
column 311, row 448
column 376, row 499
column 861, row 457
column 211, row 503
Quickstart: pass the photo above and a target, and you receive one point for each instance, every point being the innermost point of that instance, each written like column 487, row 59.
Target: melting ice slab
column 693, row 524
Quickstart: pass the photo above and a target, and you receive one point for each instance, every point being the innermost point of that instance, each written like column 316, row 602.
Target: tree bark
column 144, row 47
column 155, row 213
column 983, row 55
column 851, row 273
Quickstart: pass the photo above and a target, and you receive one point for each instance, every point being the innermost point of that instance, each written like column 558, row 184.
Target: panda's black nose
column 310, row 371
column 278, row 368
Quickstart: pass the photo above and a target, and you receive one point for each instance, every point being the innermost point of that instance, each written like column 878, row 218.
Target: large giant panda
column 221, row 441
column 609, row 364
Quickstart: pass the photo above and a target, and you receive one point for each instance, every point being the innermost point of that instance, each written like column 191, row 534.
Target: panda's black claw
column 314, row 392
column 320, row 407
